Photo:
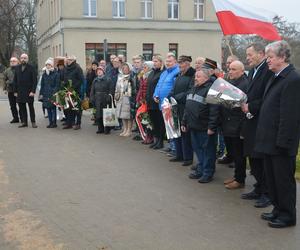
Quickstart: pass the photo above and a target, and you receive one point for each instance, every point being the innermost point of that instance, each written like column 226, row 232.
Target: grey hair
column 281, row 49
column 206, row 72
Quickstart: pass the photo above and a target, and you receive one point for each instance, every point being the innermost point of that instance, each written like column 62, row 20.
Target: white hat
column 149, row 64
column 50, row 61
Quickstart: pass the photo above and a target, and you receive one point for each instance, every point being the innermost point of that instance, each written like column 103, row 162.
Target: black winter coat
column 232, row 119
column 153, row 79
column 255, row 92
column 113, row 75
column 198, row 114
column 49, row 86
column 25, row 82
column 182, row 85
column 278, row 127
column 90, row 76
column 73, row 72
column 99, row 96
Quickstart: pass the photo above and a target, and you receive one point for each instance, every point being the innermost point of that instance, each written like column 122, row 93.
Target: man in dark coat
column 110, row 65
column 90, row 76
column 258, row 77
column 8, row 88
column 183, row 83
column 153, row 108
column 231, row 124
column 201, row 119
column 277, row 136
column 73, row 73
column 25, row 82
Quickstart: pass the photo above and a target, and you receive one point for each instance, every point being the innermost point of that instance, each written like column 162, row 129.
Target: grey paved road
column 77, row 190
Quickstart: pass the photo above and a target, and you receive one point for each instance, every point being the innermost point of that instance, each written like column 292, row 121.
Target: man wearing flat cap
column 183, row 83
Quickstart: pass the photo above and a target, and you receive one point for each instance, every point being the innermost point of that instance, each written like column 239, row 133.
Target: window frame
column 150, row 48
column 145, row 8
column 173, row 3
column 118, row 9
column 197, row 7
column 89, row 15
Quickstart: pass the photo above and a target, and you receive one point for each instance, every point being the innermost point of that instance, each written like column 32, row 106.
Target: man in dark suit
column 258, row 77
column 277, row 134
column 25, row 81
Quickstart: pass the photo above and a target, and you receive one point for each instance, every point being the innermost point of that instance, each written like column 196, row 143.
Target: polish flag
column 239, row 18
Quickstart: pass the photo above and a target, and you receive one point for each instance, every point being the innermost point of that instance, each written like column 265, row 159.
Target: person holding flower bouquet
column 183, row 83
column 73, row 74
column 141, row 98
column 201, row 119
column 50, row 82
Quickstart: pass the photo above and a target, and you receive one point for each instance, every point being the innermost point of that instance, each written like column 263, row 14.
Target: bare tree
column 28, row 29
column 10, row 29
column 288, row 31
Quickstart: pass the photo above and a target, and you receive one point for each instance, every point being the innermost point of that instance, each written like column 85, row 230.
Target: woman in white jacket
column 125, row 98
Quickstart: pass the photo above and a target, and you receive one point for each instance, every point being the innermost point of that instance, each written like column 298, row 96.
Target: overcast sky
column 288, row 8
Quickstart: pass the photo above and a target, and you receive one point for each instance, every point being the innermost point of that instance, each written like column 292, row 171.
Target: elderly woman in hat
column 101, row 94
column 125, row 98
column 50, row 82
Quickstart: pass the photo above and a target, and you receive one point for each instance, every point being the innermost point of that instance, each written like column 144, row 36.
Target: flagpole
column 228, row 45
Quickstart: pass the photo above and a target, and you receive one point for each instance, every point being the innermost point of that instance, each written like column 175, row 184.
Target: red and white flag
column 239, row 18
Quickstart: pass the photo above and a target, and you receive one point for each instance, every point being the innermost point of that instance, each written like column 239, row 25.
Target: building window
column 90, row 8
column 173, row 48
column 199, row 9
column 95, row 51
column 118, row 8
column 146, row 9
column 148, row 51
column 173, row 9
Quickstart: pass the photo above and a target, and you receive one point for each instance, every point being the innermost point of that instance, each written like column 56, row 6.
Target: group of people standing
column 265, row 130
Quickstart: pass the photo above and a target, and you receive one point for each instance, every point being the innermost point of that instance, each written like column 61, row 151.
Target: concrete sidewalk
column 78, row 190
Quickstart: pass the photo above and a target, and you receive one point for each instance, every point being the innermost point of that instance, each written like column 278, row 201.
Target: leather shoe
column 262, row 202
column 250, row 196
column 227, row 181
column 67, row 127
column 195, row 176
column 187, row 163
column 224, row 160
column 33, row 124
column 76, row 127
column 205, row 179
column 279, row 223
column 235, row 185
column 175, row 159
column 23, row 125
column 268, row 216
column 14, row 121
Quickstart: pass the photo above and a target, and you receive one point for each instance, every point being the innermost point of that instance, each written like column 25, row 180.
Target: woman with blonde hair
column 125, row 98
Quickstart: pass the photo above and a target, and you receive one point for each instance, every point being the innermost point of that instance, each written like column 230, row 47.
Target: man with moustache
column 277, row 136
column 258, row 77
column 25, row 82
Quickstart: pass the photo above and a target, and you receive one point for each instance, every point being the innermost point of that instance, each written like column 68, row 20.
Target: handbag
column 109, row 115
column 85, row 104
